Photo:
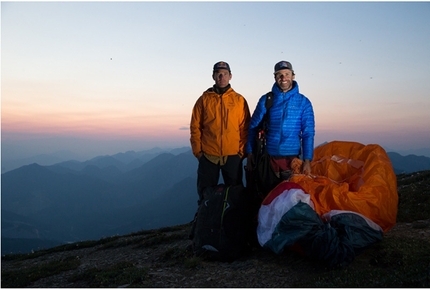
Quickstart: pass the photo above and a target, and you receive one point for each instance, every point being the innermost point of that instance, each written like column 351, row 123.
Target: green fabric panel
column 335, row 243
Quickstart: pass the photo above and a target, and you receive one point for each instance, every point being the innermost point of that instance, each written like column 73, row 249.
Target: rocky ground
column 160, row 259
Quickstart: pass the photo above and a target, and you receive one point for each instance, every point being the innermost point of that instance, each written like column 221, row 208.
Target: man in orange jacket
column 219, row 131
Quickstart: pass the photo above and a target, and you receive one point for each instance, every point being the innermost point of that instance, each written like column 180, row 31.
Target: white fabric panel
column 270, row 215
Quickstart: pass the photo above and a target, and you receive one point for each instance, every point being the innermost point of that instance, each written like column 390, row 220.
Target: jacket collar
column 219, row 90
column 295, row 89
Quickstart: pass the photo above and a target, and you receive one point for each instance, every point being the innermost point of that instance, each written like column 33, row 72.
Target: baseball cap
column 283, row 65
column 221, row 65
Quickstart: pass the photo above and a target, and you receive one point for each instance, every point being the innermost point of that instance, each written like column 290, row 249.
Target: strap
column 268, row 104
column 260, row 145
column 226, row 204
column 269, row 100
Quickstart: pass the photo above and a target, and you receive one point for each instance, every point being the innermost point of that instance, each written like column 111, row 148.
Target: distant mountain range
column 10, row 163
column 43, row 206
column 408, row 164
column 108, row 195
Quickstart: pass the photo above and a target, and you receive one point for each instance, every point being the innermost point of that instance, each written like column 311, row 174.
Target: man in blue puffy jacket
column 291, row 124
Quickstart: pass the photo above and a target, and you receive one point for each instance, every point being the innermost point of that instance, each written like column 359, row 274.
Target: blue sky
column 104, row 77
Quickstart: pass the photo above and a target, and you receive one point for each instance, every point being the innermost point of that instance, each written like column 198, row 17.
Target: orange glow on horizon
column 153, row 127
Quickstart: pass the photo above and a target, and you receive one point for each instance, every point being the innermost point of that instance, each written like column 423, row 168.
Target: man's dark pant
column 208, row 173
column 208, row 176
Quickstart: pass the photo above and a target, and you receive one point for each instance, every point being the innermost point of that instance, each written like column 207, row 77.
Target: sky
column 99, row 78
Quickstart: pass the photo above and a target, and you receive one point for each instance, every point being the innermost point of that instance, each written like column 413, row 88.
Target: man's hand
column 249, row 162
column 306, row 169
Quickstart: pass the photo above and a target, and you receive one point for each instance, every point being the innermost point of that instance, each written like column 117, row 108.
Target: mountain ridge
column 63, row 199
column 75, row 203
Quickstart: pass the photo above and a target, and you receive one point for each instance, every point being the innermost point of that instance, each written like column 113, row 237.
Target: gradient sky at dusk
column 106, row 77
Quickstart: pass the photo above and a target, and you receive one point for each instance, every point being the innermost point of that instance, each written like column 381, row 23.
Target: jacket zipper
column 221, row 124
column 282, row 121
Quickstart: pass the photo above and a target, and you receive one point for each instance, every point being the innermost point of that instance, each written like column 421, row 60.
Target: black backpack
column 222, row 223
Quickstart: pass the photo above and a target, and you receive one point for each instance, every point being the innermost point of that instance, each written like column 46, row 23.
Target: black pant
column 208, row 173
column 208, row 176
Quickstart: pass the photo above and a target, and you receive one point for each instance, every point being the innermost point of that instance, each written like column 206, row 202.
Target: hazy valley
column 70, row 201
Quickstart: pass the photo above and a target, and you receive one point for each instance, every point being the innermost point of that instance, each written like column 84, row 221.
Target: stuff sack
column 265, row 178
column 262, row 179
column 222, row 224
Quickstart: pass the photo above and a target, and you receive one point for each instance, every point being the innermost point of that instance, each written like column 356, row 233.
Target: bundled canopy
column 348, row 202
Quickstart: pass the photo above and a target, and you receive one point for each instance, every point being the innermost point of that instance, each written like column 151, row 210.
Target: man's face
column 284, row 78
column 222, row 77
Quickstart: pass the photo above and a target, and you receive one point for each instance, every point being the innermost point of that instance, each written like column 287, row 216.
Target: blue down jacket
column 291, row 124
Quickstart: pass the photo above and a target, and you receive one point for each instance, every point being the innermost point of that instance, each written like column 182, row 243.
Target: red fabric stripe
column 279, row 189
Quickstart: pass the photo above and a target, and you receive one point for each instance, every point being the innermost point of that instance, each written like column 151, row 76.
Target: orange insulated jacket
column 219, row 124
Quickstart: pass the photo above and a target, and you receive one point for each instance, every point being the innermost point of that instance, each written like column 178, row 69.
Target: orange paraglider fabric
column 350, row 176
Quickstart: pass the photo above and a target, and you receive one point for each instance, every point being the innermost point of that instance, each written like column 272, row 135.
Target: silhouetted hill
column 107, row 195
column 59, row 201
column 409, row 163
column 8, row 163
column 100, row 162
column 159, row 174
column 69, row 205
column 107, row 174
column 123, row 161
column 174, row 207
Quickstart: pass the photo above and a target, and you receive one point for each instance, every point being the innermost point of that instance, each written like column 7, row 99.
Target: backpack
column 222, row 224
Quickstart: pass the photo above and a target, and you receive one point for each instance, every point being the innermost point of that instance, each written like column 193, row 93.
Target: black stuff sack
column 261, row 179
column 222, row 224
column 265, row 178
